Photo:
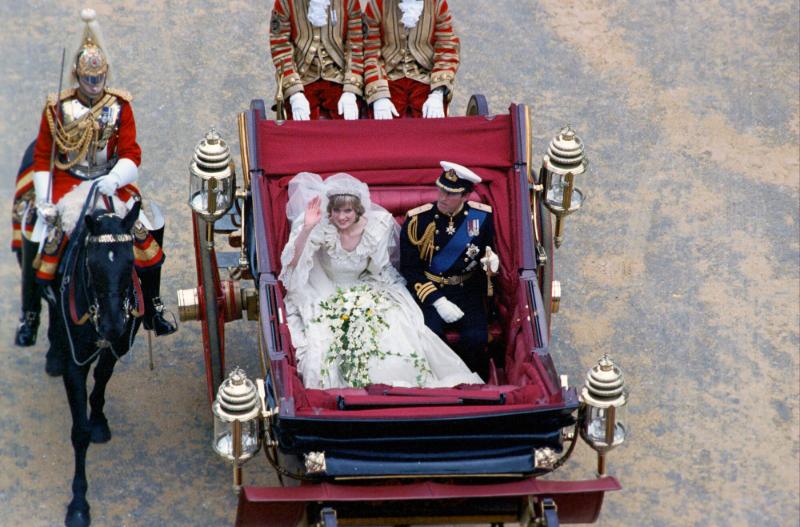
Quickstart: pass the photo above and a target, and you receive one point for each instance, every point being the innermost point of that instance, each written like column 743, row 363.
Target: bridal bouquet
column 355, row 317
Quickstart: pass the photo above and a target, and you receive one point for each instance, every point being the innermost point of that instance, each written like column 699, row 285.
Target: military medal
column 451, row 229
column 472, row 250
column 474, row 227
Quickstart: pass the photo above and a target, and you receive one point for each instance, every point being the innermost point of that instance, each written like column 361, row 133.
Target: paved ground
column 683, row 265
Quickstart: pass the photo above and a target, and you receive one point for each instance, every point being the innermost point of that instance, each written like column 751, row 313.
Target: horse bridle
column 94, row 306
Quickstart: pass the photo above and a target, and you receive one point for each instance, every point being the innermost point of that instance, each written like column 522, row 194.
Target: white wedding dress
column 325, row 266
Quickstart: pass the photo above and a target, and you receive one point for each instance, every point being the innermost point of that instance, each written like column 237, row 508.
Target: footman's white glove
column 448, row 310
column 348, row 106
column 434, row 106
column 384, row 109
column 491, row 261
column 301, row 110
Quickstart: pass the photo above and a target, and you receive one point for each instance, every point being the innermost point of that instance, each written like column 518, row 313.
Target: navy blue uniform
column 440, row 256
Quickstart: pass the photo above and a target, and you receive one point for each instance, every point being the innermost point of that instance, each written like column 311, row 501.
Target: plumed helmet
column 90, row 56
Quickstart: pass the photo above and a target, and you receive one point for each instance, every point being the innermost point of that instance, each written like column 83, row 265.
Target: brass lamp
column 212, row 179
column 605, row 399
column 564, row 160
column 237, row 413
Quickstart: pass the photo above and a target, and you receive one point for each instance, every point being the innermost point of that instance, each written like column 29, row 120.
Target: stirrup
column 27, row 329
column 156, row 320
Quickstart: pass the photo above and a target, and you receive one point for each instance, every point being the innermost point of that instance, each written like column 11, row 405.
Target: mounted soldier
column 87, row 137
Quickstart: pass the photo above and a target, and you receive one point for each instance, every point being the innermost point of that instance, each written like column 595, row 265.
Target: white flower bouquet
column 356, row 319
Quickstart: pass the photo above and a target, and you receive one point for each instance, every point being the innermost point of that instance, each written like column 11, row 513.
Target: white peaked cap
column 461, row 171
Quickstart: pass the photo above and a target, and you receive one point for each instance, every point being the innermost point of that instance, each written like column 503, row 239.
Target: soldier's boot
column 31, row 297
column 155, row 314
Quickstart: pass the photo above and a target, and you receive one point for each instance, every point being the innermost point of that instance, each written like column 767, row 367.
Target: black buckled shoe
column 28, row 327
column 155, row 320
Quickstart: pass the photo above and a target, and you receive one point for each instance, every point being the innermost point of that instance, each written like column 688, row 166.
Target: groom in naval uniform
column 445, row 256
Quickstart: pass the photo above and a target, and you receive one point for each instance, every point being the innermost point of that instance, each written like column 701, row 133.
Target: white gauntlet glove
column 491, row 261
column 44, row 208
column 301, row 110
column 108, row 184
column 348, row 106
column 434, row 106
column 47, row 212
column 448, row 310
column 124, row 173
column 384, row 109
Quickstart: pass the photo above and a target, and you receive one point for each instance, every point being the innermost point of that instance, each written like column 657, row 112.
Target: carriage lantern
column 236, row 416
column 564, row 160
column 211, row 178
column 605, row 397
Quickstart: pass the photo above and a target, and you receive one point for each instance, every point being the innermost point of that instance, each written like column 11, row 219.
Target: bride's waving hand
column 311, row 219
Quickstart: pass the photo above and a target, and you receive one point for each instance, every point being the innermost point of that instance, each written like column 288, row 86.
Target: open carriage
column 384, row 455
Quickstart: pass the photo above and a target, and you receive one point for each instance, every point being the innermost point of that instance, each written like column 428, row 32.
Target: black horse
column 99, row 303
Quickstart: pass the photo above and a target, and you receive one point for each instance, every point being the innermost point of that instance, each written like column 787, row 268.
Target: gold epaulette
column 421, row 208
column 65, row 94
column 125, row 95
column 480, row 206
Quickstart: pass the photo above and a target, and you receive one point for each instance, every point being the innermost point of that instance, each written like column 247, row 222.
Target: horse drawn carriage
column 382, row 454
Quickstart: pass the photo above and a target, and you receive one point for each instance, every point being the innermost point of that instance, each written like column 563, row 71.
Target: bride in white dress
column 351, row 319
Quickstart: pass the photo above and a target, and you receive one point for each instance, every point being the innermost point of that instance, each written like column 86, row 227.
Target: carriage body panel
column 423, row 454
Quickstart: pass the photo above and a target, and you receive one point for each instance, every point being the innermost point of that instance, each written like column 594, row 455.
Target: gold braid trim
column 78, row 135
column 125, row 95
column 425, row 242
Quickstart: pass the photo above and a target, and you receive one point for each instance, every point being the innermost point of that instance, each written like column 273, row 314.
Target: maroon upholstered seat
column 400, row 199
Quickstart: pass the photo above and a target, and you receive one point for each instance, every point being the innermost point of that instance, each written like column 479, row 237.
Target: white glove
column 448, row 310
column 108, row 184
column 301, row 110
column 348, row 106
column 47, row 212
column 124, row 173
column 434, row 106
column 384, row 109
column 491, row 261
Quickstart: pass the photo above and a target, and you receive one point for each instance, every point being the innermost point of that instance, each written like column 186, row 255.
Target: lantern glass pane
column 223, row 438
column 594, row 427
column 200, row 191
column 555, row 194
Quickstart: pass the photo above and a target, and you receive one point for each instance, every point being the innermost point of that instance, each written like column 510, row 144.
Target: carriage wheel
column 211, row 316
column 478, row 105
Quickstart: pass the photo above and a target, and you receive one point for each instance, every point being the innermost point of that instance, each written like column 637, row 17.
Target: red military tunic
column 117, row 140
column 322, row 62
column 407, row 64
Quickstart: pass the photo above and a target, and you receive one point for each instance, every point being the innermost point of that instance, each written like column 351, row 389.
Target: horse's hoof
column 101, row 433
column 54, row 363
column 77, row 517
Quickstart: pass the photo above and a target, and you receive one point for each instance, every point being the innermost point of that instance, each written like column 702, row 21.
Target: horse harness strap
column 110, row 238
